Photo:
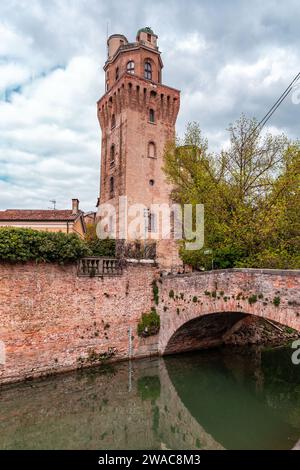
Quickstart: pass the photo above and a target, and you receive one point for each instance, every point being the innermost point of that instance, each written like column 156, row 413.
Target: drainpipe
column 130, row 342
column 130, row 356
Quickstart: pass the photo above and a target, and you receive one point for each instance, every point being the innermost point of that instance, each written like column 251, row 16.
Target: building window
column 130, row 67
column 113, row 121
column 112, row 155
column 111, row 186
column 151, row 115
column 151, row 222
column 117, row 73
column 151, row 150
column 151, row 182
column 148, row 70
column 149, row 37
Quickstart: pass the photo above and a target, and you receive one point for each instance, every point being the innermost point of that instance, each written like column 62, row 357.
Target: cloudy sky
column 225, row 57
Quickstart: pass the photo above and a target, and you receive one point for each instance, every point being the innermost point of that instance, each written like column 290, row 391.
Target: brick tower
column 137, row 115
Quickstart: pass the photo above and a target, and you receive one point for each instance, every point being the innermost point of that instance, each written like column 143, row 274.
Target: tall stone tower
column 137, row 115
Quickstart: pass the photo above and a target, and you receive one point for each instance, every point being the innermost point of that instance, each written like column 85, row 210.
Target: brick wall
column 51, row 319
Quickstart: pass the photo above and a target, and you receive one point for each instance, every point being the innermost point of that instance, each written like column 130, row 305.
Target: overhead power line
column 275, row 106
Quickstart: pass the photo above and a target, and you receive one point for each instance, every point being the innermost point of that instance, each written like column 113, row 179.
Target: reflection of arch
column 220, row 396
column 189, row 432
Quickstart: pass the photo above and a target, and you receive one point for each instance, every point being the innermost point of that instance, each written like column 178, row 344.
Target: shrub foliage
column 149, row 324
column 25, row 244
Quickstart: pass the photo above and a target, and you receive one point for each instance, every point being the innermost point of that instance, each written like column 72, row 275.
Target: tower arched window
column 130, row 67
column 151, row 150
column 112, row 155
column 148, row 70
column 113, row 121
column 117, row 73
column 150, row 221
column 151, row 115
column 111, row 186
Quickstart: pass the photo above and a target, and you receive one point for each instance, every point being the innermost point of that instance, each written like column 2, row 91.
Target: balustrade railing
column 98, row 267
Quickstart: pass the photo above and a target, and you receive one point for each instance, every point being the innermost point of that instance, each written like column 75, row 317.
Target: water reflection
column 229, row 398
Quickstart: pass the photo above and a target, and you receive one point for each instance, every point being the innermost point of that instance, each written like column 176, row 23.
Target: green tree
column 249, row 192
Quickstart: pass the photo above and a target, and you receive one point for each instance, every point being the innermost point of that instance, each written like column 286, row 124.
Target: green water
column 227, row 398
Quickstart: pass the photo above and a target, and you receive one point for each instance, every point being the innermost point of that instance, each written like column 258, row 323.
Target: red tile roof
column 38, row 215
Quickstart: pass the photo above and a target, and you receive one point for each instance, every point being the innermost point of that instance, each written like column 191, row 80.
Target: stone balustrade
column 98, row 267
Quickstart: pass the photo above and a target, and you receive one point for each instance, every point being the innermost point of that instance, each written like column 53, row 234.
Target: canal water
column 229, row 398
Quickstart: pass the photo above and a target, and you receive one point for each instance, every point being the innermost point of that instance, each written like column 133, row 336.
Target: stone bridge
column 199, row 310
column 53, row 319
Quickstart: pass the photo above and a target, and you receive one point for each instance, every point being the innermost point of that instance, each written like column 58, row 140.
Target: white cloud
column 51, row 57
column 12, row 74
column 52, row 128
column 192, row 43
column 14, row 44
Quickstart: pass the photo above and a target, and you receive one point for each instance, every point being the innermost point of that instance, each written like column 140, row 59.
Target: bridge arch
column 195, row 305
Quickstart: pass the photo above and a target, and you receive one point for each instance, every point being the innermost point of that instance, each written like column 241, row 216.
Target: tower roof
column 146, row 29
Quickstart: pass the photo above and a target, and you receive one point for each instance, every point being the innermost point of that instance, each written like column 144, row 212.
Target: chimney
column 75, row 206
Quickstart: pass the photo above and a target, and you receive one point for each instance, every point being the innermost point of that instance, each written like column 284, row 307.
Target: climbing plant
column 149, row 324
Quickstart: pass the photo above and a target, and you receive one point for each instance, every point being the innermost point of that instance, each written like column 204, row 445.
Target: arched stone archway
column 202, row 332
column 220, row 299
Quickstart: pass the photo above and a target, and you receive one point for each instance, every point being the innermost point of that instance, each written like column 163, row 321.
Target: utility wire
column 279, row 101
column 275, row 106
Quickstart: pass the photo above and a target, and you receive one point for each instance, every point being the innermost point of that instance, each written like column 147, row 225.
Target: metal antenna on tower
column 107, row 23
column 53, row 201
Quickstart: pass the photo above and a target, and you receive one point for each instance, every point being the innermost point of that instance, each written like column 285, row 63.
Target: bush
column 25, row 244
column 102, row 247
column 171, row 294
column 252, row 299
column 97, row 246
column 149, row 324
